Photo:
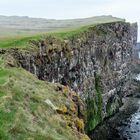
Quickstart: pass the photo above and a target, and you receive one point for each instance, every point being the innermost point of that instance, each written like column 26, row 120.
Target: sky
column 69, row 9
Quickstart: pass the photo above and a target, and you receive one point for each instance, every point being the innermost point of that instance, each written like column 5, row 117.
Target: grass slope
column 27, row 107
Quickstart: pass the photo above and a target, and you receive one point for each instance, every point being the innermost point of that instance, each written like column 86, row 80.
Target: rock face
column 95, row 63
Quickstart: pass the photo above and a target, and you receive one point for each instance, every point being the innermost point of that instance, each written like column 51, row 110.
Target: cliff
column 95, row 63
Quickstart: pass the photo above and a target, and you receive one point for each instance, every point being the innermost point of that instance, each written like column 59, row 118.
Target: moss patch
column 112, row 105
column 94, row 107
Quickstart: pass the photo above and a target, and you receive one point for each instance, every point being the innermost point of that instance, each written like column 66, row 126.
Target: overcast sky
column 64, row 9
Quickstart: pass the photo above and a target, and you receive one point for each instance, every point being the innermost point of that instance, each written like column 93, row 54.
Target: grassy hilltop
column 17, row 31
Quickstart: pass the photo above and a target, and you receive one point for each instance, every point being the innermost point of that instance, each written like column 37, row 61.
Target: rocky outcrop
column 95, row 63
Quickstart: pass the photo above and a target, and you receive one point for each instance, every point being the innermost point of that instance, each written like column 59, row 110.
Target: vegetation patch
column 3, row 76
column 24, row 112
column 94, row 107
column 112, row 105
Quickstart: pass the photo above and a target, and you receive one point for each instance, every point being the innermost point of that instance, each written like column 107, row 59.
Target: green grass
column 65, row 33
column 22, row 41
column 3, row 76
column 2, row 93
column 17, row 42
column 24, row 114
